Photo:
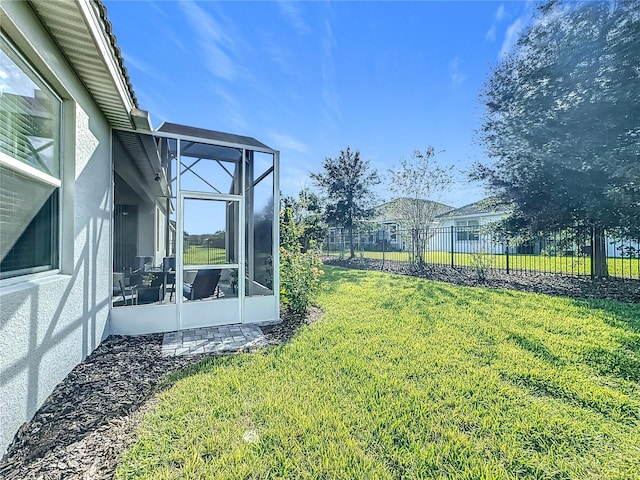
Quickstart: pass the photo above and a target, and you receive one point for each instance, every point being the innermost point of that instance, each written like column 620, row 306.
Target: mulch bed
column 90, row 418
column 623, row 290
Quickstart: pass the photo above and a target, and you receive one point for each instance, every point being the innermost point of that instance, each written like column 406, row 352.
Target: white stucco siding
column 48, row 324
column 483, row 244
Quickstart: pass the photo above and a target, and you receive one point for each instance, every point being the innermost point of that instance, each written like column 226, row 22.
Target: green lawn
column 409, row 378
column 197, row 255
column 618, row 267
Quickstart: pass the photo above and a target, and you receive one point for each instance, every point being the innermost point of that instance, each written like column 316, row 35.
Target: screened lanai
column 195, row 230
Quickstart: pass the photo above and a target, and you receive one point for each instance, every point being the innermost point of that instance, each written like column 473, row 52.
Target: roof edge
column 95, row 13
column 84, row 35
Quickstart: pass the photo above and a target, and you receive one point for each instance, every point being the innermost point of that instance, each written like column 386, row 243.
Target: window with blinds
column 467, row 230
column 29, row 168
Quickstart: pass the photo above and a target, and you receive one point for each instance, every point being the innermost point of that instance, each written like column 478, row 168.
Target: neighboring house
column 384, row 230
column 395, row 228
column 469, row 237
column 95, row 206
column 467, row 233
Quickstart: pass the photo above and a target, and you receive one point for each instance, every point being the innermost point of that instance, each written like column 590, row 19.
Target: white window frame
column 467, row 235
column 31, row 173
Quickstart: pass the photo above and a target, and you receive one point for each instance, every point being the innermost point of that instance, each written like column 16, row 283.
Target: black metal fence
column 565, row 252
column 203, row 253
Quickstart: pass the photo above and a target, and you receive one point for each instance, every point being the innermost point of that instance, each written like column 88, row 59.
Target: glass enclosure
column 259, row 196
column 207, row 221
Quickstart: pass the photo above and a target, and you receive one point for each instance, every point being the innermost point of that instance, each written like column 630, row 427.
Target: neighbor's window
column 467, row 230
column 29, row 168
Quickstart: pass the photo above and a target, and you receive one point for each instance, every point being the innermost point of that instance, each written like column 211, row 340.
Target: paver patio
column 228, row 338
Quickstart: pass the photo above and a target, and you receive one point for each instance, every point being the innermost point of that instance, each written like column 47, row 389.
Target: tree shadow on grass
column 345, row 275
column 623, row 360
column 619, row 315
column 620, row 361
column 334, row 277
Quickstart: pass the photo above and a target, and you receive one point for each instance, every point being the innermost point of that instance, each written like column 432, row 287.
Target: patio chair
column 169, row 266
column 142, row 263
column 120, row 290
column 204, row 285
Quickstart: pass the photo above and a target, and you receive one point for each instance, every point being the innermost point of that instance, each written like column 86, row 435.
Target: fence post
column 452, row 249
column 506, row 242
column 593, row 252
column 384, row 247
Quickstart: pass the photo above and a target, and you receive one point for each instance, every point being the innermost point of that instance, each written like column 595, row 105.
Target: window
column 30, row 176
column 467, row 230
column 393, row 230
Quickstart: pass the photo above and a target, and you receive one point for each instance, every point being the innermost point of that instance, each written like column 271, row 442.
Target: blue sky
column 310, row 78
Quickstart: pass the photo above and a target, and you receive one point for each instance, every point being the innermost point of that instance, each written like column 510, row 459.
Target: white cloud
column 155, row 103
column 511, row 37
column 491, row 34
column 235, row 117
column 457, row 77
column 133, row 62
column 213, row 40
column 292, row 13
column 283, row 141
column 230, row 99
column 328, row 45
column 278, row 55
column 329, row 93
column 233, row 110
column 293, row 179
column 177, row 41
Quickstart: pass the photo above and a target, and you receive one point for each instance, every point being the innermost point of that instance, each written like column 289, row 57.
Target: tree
column 306, row 210
column 347, row 182
column 563, row 122
column 420, row 184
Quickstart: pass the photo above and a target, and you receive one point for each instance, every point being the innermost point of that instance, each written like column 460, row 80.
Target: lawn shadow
column 623, row 361
column 536, row 347
column 334, row 277
column 619, row 410
column 625, row 316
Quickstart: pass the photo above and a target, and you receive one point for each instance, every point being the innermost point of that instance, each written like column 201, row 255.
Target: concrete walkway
column 228, row 338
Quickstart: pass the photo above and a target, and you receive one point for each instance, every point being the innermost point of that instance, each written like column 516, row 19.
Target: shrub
column 300, row 271
column 481, row 263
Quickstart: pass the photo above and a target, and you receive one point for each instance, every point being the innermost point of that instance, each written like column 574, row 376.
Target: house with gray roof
column 466, row 225
column 386, row 229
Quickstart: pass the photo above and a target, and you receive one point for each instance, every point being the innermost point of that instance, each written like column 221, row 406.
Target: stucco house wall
column 51, row 322
column 461, row 219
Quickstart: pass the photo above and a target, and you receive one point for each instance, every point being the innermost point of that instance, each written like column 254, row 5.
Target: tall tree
column 563, row 121
column 347, row 182
column 419, row 185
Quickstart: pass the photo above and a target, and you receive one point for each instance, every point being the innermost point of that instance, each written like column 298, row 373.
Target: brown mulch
column 623, row 290
column 90, row 418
